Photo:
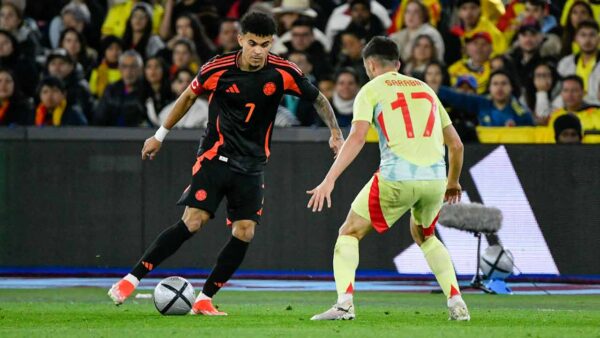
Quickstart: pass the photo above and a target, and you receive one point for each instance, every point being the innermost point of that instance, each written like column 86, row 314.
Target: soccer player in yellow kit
column 413, row 128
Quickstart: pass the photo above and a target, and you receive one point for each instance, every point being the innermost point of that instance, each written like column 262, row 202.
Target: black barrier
column 84, row 198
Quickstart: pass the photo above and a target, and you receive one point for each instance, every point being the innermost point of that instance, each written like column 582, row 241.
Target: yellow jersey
column 409, row 119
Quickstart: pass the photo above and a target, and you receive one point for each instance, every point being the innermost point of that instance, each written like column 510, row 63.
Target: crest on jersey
column 269, row 88
column 201, row 195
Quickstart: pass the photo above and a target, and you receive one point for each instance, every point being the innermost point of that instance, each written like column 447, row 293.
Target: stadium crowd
column 124, row 62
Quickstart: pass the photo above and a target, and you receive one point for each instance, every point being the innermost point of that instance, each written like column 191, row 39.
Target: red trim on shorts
column 431, row 230
column 375, row 207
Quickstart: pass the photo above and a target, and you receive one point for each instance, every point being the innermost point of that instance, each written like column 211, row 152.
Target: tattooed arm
column 326, row 113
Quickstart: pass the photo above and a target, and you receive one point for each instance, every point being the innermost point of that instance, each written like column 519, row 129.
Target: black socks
column 163, row 246
column 229, row 260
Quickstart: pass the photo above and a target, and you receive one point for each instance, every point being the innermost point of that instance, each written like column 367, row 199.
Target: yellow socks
column 345, row 262
column 440, row 264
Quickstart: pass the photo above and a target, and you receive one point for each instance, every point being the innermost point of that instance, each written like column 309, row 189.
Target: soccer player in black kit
column 245, row 89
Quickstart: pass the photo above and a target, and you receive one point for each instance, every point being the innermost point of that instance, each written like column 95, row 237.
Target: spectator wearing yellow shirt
column 107, row 71
column 580, row 11
column 472, row 22
column 116, row 19
column 477, row 63
column 586, row 63
column 573, row 103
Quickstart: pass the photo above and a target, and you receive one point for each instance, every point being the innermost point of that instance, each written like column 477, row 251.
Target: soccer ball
column 496, row 262
column 174, row 296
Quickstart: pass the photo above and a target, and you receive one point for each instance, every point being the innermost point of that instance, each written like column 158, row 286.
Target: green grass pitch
column 85, row 312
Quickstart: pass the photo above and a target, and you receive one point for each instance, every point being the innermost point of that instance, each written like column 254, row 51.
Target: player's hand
column 335, row 143
column 320, row 194
column 151, row 148
column 453, row 193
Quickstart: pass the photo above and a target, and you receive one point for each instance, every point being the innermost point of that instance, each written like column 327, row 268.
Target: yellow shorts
column 384, row 202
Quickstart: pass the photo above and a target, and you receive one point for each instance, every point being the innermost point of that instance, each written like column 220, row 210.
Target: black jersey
column 243, row 105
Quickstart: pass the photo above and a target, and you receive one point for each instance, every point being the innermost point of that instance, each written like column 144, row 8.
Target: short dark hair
column 382, row 48
column 303, row 21
column 575, row 78
column 366, row 3
column 347, row 70
column 52, row 82
column 587, row 24
column 537, row 3
column 516, row 91
column 258, row 23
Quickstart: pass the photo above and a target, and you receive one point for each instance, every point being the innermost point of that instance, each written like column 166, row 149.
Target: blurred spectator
column 27, row 35
column 197, row 115
column 586, row 63
column 572, row 96
column 122, row 104
column 593, row 5
column 573, row 103
column 479, row 49
column 351, row 55
column 12, row 59
column 60, row 64
column 138, row 32
column 188, row 27
column 304, row 22
column 435, row 75
column 74, row 15
column 157, row 90
column 362, row 17
column 466, row 84
column 346, row 88
column 500, row 108
column 327, row 86
column 342, row 16
column 567, row 129
column 471, row 22
column 303, row 110
column 289, row 11
column 228, row 33
column 526, row 53
column 580, row 11
column 416, row 23
column 107, row 69
column 14, row 108
column 74, row 43
column 183, row 56
column 54, row 109
column 423, row 52
column 204, row 11
column 302, row 39
column 118, row 15
column 541, row 90
column 434, row 14
column 539, row 11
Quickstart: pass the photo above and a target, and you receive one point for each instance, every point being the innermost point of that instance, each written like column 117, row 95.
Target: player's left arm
column 325, row 111
column 350, row 149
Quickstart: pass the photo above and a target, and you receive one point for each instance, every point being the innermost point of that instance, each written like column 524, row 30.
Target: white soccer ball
column 496, row 262
column 174, row 296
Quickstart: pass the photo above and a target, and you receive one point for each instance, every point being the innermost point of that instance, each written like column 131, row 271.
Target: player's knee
column 243, row 230
column 350, row 229
column 195, row 219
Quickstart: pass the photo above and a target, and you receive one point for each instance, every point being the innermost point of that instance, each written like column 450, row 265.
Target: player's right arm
column 182, row 105
column 455, row 159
